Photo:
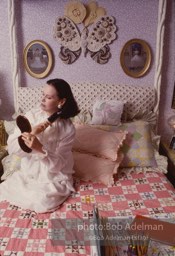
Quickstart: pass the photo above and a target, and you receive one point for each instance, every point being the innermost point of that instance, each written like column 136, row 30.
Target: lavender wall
column 35, row 20
column 128, row 28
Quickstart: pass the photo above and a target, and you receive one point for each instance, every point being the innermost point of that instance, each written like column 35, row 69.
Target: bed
column 136, row 187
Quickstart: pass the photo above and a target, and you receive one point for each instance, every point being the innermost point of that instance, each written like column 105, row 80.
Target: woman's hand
column 40, row 127
column 32, row 141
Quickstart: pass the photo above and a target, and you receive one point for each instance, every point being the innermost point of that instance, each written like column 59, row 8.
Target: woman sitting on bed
column 45, row 179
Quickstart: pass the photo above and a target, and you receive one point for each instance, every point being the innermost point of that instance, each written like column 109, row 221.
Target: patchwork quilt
column 67, row 230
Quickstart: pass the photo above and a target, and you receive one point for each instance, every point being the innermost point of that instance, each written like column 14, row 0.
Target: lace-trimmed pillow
column 96, row 169
column 11, row 163
column 84, row 117
column 98, row 142
column 138, row 149
column 96, row 154
column 107, row 112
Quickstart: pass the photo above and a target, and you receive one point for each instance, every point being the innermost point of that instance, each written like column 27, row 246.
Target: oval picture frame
column 135, row 58
column 38, row 58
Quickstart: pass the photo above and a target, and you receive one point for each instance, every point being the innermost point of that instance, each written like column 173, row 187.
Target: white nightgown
column 45, row 180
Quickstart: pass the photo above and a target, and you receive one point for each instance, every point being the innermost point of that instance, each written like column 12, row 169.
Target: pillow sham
column 137, row 147
column 9, row 126
column 91, row 168
column 11, row 163
column 84, row 117
column 98, row 142
column 107, row 112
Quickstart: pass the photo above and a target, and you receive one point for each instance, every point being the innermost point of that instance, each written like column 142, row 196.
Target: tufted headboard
column 137, row 98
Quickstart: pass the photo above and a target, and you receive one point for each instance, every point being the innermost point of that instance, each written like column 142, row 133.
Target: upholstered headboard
column 137, row 98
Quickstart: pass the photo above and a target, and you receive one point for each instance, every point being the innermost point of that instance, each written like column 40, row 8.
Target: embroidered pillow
column 98, row 142
column 137, row 147
column 107, row 112
column 91, row 168
column 11, row 163
column 9, row 126
column 84, row 117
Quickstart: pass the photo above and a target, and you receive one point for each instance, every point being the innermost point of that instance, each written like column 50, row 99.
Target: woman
column 38, row 63
column 45, row 179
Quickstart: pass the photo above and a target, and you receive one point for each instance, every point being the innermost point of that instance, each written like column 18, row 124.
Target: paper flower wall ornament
column 93, row 13
column 96, row 42
column 75, row 11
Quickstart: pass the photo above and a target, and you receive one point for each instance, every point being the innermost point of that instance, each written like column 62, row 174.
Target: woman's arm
column 57, row 159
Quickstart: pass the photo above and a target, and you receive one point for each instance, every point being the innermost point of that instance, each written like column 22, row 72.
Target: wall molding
column 13, row 49
column 159, row 51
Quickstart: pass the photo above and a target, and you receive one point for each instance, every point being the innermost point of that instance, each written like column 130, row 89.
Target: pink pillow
column 138, row 147
column 98, row 142
column 91, row 168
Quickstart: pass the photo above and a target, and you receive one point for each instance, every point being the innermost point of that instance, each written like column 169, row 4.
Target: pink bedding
column 27, row 233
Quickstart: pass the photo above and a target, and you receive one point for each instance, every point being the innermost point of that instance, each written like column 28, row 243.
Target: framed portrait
column 38, row 59
column 135, row 58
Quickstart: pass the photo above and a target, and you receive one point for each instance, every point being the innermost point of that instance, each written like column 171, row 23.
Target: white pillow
column 11, row 163
column 84, row 117
column 107, row 112
column 9, row 126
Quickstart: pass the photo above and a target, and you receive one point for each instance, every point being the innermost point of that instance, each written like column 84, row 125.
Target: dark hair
column 70, row 107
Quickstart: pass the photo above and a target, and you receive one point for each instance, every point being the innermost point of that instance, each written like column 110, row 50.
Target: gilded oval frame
column 135, row 58
column 38, row 59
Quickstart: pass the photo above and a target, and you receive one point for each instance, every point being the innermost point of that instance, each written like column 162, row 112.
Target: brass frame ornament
column 38, row 59
column 135, row 58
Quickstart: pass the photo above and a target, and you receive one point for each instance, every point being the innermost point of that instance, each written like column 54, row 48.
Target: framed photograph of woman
column 38, row 59
column 135, row 58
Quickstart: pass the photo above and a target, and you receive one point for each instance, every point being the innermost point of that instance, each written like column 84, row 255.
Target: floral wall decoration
column 95, row 42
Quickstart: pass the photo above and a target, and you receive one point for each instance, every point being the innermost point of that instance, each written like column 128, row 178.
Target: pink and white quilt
column 55, row 234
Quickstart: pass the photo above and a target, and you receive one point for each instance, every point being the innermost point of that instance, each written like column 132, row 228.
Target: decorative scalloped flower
column 93, row 13
column 64, row 30
column 75, row 11
column 103, row 33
